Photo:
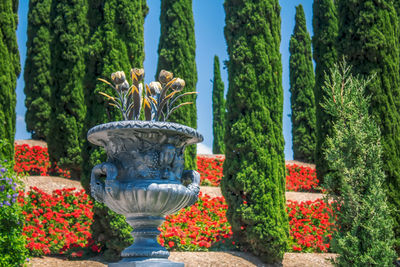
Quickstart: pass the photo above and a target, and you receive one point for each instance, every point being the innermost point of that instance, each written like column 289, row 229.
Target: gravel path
column 294, row 196
column 50, row 183
column 203, row 259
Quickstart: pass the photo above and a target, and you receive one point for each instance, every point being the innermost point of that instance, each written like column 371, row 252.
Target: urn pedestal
column 143, row 179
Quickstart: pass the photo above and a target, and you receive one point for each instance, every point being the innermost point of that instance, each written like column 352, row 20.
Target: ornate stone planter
column 144, row 180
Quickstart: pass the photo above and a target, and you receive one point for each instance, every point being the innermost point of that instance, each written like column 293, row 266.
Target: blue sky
column 209, row 17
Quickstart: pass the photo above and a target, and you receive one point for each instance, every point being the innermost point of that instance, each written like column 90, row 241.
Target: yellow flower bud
column 139, row 73
column 118, row 77
column 155, row 88
column 178, row 84
column 165, row 76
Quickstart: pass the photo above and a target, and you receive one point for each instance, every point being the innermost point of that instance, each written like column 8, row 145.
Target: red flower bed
column 298, row 178
column 302, row 179
column 204, row 226
column 311, row 225
column 60, row 222
column 198, row 227
column 35, row 161
column 57, row 222
column 210, row 169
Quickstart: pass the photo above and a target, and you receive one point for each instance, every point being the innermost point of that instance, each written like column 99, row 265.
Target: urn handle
column 191, row 179
column 111, row 184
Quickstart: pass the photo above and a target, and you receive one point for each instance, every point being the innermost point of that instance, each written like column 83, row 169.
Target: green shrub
column 111, row 231
column 12, row 242
column 369, row 39
column 355, row 181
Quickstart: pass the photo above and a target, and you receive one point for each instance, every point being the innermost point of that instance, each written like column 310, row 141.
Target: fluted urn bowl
column 143, row 179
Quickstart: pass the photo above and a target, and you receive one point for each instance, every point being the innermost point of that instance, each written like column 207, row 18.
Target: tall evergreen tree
column 9, row 71
column 254, row 168
column 302, row 83
column 325, row 26
column 219, row 113
column 397, row 7
column 369, row 40
column 37, row 69
column 116, row 43
column 15, row 59
column 69, row 31
column 356, row 178
column 176, row 53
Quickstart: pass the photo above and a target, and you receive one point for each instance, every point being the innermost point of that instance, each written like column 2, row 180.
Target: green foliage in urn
column 116, row 42
column 37, row 69
column 219, row 112
column 69, row 35
column 9, row 70
column 302, row 91
column 355, row 181
column 254, row 168
column 369, row 40
column 176, row 53
column 325, row 27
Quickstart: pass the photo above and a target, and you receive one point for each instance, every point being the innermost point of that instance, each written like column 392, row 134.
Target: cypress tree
column 176, row 53
column 218, row 103
column 37, row 69
column 9, row 70
column 325, row 26
column 254, row 168
column 15, row 60
column 116, row 43
column 369, row 40
column 69, row 31
column 397, row 7
column 302, row 90
column 365, row 235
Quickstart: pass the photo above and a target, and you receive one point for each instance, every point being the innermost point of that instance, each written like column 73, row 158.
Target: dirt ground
column 31, row 142
column 292, row 162
column 294, row 196
column 191, row 259
column 50, row 183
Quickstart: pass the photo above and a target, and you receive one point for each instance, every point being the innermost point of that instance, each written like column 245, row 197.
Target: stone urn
column 143, row 179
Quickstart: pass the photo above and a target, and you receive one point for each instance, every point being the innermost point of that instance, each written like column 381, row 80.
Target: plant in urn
column 143, row 177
